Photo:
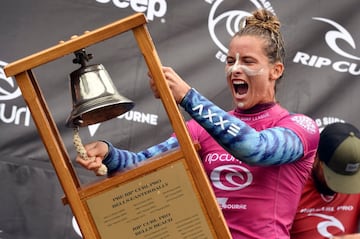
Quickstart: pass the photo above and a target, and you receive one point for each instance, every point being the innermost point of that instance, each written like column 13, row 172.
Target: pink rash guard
column 259, row 190
column 258, row 201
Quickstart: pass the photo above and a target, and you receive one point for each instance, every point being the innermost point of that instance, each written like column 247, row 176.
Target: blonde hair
column 264, row 24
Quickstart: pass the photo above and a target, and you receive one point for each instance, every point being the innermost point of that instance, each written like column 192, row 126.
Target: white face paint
column 240, row 105
column 247, row 70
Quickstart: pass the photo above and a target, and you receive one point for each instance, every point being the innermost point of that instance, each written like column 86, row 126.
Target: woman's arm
column 116, row 159
column 272, row 146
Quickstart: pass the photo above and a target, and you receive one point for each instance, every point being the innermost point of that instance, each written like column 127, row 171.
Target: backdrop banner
column 322, row 80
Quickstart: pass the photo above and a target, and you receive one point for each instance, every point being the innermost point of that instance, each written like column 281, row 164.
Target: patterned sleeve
column 272, row 146
column 118, row 159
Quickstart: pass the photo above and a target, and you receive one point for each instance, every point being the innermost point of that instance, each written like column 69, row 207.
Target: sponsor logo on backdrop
column 326, row 120
column 135, row 116
column 151, row 8
column 228, row 20
column 10, row 113
column 76, row 227
column 335, row 39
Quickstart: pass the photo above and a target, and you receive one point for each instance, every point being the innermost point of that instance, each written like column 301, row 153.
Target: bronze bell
column 95, row 98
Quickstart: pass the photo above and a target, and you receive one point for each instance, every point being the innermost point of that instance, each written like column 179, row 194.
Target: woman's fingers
column 178, row 87
column 96, row 152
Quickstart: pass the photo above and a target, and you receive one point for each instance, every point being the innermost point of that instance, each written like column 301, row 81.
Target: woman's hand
column 177, row 85
column 97, row 151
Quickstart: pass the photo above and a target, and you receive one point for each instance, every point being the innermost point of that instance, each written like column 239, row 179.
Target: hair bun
column 266, row 25
column 264, row 19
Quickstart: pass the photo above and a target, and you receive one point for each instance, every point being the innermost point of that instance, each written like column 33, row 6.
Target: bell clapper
column 82, row 152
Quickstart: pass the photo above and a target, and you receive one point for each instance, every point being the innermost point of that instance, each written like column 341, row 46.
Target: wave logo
column 231, row 177
column 13, row 91
column 327, row 222
column 151, row 8
column 332, row 38
column 9, row 91
column 228, row 20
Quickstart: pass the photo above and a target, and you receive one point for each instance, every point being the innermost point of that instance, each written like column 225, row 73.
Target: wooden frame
column 80, row 197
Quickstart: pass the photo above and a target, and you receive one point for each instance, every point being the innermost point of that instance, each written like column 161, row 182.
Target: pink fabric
column 258, row 202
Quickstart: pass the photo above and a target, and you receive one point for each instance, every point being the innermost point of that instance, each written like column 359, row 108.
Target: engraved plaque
column 161, row 204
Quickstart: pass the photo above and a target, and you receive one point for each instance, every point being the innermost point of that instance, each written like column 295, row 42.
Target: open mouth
column 240, row 87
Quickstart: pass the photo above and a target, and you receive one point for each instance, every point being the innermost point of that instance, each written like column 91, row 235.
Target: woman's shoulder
column 297, row 119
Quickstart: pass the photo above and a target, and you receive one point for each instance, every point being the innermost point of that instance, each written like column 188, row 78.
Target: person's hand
column 97, row 152
column 178, row 86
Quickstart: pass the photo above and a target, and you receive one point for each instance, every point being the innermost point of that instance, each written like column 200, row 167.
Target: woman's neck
column 256, row 109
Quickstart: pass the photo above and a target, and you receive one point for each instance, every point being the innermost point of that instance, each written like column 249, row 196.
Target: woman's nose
column 237, row 70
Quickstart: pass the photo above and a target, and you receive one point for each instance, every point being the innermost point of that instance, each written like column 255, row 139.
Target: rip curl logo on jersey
column 231, row 177
column 151, row 8
column 333, row 37
column 220, row 19
column 305, row 122
column 327, row 222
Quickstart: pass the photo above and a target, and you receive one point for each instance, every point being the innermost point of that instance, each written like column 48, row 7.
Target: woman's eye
column 249, row 61
column 230, row 61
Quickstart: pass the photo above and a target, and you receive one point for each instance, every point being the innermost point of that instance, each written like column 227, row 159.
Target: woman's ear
column 277, row 70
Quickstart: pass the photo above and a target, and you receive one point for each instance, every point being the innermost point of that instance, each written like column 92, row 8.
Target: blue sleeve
column 272, row 146
column 118, row 159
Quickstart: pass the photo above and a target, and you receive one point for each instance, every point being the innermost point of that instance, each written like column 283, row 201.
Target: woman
column 257, row 156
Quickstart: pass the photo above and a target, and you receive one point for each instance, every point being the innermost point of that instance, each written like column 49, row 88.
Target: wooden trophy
column 168, row 196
